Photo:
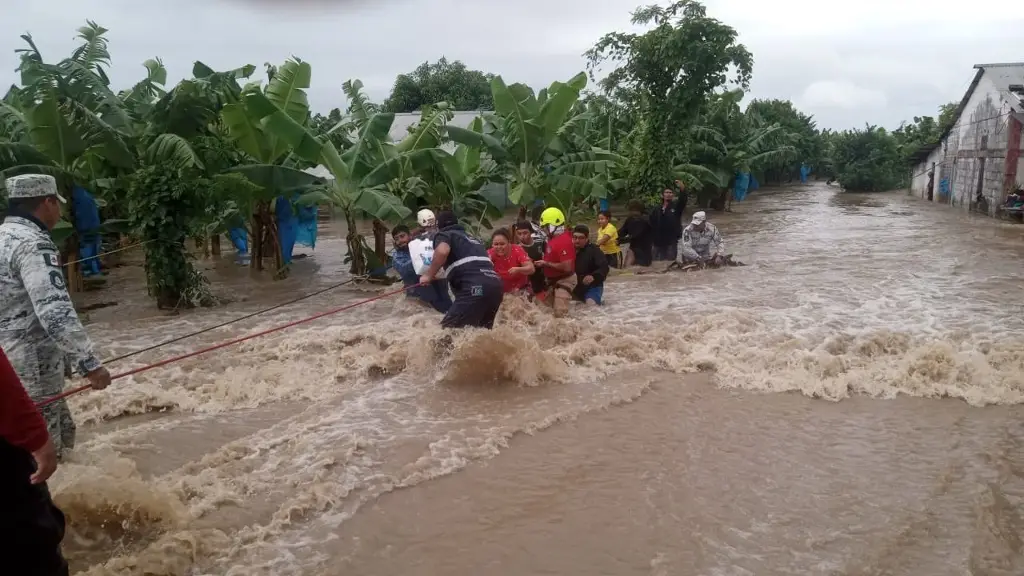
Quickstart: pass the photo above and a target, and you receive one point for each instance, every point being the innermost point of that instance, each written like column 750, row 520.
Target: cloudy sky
column 876, row 61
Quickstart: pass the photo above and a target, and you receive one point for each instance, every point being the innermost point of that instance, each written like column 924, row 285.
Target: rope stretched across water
column 199, row 352
column 227, row 323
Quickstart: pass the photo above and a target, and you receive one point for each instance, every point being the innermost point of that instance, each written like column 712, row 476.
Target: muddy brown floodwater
column 847, row 404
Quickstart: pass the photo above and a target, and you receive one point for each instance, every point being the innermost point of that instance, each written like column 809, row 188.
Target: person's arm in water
column 441, row 252
column 717, row 244
column 687, row 246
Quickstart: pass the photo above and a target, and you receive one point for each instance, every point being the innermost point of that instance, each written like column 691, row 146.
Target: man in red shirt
column 559, row 260
column 31, row 527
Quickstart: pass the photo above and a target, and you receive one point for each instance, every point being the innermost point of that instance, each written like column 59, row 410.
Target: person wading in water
column 477, row 287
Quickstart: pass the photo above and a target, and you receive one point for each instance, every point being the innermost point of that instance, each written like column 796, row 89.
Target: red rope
column 162, row 363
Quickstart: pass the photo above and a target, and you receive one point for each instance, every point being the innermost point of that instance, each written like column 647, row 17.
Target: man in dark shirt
column 667, row 226
column 636, row 231
column 591, row 267
column 535, row 250
column 477, row 287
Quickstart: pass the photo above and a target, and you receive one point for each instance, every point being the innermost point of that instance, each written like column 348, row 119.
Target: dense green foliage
column 219, row 149
column 442, row 81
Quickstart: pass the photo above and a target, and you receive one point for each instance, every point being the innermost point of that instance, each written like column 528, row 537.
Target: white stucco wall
column 984, row 118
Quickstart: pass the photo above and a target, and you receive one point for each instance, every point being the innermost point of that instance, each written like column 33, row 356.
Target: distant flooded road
column 849, row 403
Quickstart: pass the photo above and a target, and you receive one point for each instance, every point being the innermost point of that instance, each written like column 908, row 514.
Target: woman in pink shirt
column 510, row 262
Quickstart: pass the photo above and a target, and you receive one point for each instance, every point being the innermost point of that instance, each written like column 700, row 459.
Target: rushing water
column 848, row 403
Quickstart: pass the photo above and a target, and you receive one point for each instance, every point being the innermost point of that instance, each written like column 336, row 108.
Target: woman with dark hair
column 510, row 261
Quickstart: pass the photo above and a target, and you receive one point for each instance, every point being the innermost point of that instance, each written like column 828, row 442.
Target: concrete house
column 977, row 161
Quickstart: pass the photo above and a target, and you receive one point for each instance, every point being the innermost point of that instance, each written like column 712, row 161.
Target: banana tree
column 523, row 137
column 271, row 167
column 361, row 174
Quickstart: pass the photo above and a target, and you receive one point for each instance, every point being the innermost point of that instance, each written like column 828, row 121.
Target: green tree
column 805, row 138
column 668, row 72
column 867, row 160
column 527, row 136
column 271, row 165
column 442, row 81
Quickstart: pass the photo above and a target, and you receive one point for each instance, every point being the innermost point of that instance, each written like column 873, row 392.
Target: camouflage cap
column 32, row 186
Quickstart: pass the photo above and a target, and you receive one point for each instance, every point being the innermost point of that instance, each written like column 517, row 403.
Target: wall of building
column 919, row 179
column 975, row 150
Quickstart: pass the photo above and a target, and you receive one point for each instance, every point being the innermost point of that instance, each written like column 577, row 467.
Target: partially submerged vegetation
column 227, row 149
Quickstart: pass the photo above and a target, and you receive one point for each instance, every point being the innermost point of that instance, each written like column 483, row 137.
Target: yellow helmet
column 552, row 217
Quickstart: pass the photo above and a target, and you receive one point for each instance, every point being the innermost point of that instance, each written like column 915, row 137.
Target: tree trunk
column 380, row 238
column 215, row 245
column 256, row 243
column 355, row 245
column 75, row 279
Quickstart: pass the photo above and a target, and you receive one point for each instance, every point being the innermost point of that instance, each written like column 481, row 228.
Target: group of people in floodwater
column 543, row 259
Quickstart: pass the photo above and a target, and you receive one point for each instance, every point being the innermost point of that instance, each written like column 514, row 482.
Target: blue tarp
column 741, row 187
column 944, row 187
column 603, row 204
column 287, row 227
column 805, row 172
column 307, row 226
column 87, row 224
column 240, row 238
column 754, row 184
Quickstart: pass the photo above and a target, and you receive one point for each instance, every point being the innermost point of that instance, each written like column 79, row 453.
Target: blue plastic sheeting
column 87, row 213
column 287, row 227
column 87, row 224
column 754, row 184
column 240, row 238
column 741, row 187
column 603, row 204
column 944, row 187
column 307, row 226
column 805, row 172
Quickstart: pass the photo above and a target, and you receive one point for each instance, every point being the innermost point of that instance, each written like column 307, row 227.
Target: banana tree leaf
column 314, row 198
column 61, row 232
column 274, row 180
column 496, row 195
column 429, row 130
column 175, row 150
column 52, row 134
column 381, row 204
column 556, row 108
column 246, row 133
column 13, row 154
column 478, row 140
column 286, row 91
column 301, row 141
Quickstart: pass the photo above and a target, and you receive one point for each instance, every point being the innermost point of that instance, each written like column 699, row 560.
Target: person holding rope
column 477, row 287
column 39, row 327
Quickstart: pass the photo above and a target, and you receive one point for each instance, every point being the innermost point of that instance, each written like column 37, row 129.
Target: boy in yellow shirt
column 608, row 238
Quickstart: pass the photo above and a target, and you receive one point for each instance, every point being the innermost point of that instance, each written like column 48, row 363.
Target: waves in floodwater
column 649, row 436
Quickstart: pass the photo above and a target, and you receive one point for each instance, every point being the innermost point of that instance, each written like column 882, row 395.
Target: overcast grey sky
column 876, row 61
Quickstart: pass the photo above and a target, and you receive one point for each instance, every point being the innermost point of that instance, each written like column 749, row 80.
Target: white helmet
column 426, row 218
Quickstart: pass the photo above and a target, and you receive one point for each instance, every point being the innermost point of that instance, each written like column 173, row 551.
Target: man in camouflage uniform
column 702, row 243
column 38, row 323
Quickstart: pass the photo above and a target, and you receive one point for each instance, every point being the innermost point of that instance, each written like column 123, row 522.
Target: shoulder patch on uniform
column 57, row 280
column 52, row 259
column 46, row 246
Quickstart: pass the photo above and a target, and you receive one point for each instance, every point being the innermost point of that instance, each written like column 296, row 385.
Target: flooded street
column 849, row 403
